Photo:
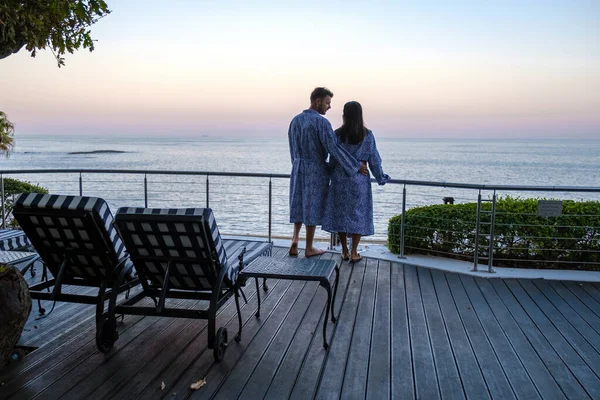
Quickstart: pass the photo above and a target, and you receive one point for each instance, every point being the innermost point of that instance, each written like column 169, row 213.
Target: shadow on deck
column 403, row 332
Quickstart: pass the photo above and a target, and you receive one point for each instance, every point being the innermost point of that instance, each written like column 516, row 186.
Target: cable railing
column 256, row 204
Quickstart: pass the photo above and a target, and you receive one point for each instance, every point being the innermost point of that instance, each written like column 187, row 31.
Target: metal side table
column 298, row 269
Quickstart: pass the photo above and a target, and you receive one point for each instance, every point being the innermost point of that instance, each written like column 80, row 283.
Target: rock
column 15, row 306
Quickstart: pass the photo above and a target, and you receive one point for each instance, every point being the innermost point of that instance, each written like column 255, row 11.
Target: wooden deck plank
column 561, row 344
column 63, row 316
column 579, row 306
column 263, row 374
column 402, row 382
column 258, row 364
column 557, row 366
column 51, row 371
column 516, row 373
column 447, row 371
column 330, row 384
column 578, row 290
column 537, row 339
column 62, row 324
column 281, row 384
column 537, row 370
column 355, row 377
column 193, row 362
column 247, row 353
column 424, row 369
column 592, row 289
column 491, row 368
column 378, row 380
column 117, row 369
column 154, row 372
column 468, row 366
column 51, row 345
column 59, row 357
column 570, row 314
column 60, row 310
column 313, row 362
column 200, row 364
column 81, row 370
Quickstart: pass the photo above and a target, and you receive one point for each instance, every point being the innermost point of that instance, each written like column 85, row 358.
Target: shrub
column 521, row 238
column 14, row 187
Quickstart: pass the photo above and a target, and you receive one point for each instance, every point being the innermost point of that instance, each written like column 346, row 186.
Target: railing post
column 402, row 224
column 270, row 205
column 491, row 250
column 477, row 226
column 80, row 185
column 145, row 191
column 207, row 192
column 2, row 194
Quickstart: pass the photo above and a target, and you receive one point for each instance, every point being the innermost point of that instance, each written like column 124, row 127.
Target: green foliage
column 521, row 238
column 14, row 187
column 61, row 25
column 7, row 131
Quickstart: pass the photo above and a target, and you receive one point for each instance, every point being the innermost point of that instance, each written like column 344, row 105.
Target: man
column 311, row 139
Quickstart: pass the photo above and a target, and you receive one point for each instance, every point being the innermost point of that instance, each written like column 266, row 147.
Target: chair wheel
column 17, row 355
column 107, row 335
column 220, row 344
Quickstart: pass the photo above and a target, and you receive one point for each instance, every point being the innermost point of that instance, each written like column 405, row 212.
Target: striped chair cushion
column 11, row 239
column 84, row 225
column 186, row 237
column 253, row 249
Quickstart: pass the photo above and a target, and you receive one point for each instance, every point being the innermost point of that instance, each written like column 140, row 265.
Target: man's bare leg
column 344, row 241
column 354, row 256
column 295, row 238
column 310, row 235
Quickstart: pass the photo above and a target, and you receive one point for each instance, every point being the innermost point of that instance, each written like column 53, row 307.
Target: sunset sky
column 442, row 69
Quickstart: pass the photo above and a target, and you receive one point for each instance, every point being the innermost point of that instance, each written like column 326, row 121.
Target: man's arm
column 328, row 139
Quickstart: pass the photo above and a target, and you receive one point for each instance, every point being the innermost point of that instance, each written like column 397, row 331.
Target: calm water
column 526, row 162
column 516, row 162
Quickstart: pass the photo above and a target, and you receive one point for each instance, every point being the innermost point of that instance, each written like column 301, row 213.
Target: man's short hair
column 320, row 93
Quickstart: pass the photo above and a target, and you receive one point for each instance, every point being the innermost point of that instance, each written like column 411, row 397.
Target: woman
column 349, row 207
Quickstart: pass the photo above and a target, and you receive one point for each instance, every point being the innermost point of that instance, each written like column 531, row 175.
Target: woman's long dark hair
column 353, row 129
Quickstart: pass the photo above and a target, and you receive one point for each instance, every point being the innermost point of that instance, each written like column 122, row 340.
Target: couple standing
column 345, row 206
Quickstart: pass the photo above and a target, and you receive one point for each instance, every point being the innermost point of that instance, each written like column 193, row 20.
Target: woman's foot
column 345, row 255
column 313, row 252
column 293, row 250
column 355, row 258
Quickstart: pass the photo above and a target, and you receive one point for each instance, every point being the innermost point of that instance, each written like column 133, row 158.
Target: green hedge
column 14, row 187
column 521, row 238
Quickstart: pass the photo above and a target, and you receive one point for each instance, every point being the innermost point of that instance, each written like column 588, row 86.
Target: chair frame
column 221, row 292
column 108, row 287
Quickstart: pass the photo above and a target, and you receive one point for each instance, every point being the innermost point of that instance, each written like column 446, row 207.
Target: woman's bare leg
column 355, row 240
column 344, row 241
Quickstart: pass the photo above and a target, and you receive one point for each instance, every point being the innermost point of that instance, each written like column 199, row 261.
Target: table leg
column 337, row 280
column 327, row 287
column 258, row 298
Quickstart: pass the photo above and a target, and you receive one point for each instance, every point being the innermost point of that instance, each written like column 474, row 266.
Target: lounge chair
column 14, row 250
column 179, row 253
column 13, row 239
column 76, row 241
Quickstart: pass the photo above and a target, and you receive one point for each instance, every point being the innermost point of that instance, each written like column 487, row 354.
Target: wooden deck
column 403, row 332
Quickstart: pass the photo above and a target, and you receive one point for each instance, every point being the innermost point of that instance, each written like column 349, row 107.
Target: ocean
column 496, row 162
